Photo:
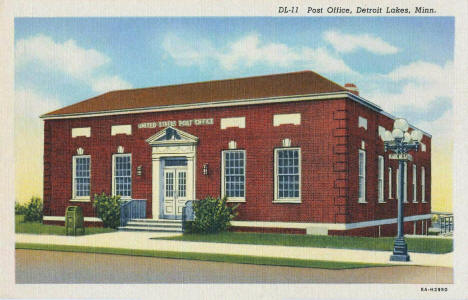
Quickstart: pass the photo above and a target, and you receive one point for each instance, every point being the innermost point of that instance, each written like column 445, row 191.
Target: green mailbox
column 74, row 220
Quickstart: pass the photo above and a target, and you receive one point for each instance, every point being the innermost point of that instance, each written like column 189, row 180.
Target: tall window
column 233, row 185
column 122, row 175
column 389, row 183
column 423, row 184
column 81, row 176
column 362, row 176
column 415, row 187
column 288, row 175
column 381, row 178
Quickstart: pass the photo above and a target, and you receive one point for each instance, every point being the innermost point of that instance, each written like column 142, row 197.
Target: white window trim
column 81, row 131
column 223, row 179
column 381, row 177
column 381, row 131
column 415, row 186
column 362, row 122
column 290, row 199
column 113, row 174
column 238, row 122
column 284, row 119
column 423, row 185
column 74, row 197
column 390, row 183
column 423, row 147
column 121, row 129
column 362, row 199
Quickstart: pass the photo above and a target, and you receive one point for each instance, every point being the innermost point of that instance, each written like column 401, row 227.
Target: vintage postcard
column 234, row 150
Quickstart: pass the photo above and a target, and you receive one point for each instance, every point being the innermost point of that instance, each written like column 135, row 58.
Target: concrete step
column 150, row 229
column 160, row 221
column 153, row 225
column 165, row 225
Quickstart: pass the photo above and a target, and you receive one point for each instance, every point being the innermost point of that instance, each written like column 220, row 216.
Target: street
column 34, row 266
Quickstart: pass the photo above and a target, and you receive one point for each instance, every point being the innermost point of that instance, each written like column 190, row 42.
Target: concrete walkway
column 141, row 240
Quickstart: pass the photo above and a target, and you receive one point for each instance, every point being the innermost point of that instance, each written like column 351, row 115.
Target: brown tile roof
column 287, row 84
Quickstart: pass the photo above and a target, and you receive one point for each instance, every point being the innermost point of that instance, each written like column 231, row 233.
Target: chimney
column 352, row 88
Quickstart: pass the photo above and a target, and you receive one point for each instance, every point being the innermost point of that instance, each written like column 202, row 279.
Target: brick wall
column 328, row 137
column 375, row 147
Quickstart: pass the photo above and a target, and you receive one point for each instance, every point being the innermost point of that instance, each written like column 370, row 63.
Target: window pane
column 182, row 187
column 122, row 175
column 362, row 176
column 82, row 176
column 234, row 173
column 288, row 173
column 380, row 185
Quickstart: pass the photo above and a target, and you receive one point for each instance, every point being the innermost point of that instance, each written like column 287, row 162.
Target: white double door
column 175, row 190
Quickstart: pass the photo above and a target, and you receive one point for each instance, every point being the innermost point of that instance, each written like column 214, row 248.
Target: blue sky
column 137, row 55
column 114, row 53
column 403, row 64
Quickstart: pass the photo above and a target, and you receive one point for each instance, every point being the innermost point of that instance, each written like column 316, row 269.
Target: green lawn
column 422, row 245
column 239, row 259
column 39, row 228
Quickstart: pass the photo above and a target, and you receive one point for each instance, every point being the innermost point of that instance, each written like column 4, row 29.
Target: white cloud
column 31, row 104
column 323, row 61
column 423, row 83
column 187, row 53
column 67, row 57
column 109, row 83
column 249, row 51
column 343, row 42
column 424, row 72
column 440, row 129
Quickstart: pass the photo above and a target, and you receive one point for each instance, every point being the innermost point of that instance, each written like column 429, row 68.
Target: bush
column 33, row 210
column 212, row 215
column 20, row 209
column 108, row 209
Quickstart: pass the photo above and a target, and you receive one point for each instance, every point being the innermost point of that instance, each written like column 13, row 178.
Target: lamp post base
column 399, row 257
column 400, row 250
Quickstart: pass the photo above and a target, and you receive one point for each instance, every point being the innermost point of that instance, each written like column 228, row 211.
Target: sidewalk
column 142, row 241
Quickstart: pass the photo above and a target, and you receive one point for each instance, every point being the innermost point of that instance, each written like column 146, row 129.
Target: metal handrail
column 132, row 209
column 446, row 223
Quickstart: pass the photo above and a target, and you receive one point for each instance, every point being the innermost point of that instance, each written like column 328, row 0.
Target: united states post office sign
column 180, row 123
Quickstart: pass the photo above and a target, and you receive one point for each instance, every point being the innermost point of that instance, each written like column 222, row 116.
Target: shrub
column 33, row 210
column 212, row 215
column 108, row 209
column 20, row 209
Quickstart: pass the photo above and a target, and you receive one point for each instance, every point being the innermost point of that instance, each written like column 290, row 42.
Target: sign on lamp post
column 401, row 156
column 400, row 141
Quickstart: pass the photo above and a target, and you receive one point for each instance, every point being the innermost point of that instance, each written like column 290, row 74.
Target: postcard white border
column 67, row 8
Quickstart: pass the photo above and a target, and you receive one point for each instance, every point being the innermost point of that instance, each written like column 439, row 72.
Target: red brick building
column 299, row 152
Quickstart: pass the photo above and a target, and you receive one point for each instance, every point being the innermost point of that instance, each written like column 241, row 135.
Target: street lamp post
column 400, row 141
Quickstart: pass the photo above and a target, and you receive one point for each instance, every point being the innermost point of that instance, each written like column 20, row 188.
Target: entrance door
column 175, row 191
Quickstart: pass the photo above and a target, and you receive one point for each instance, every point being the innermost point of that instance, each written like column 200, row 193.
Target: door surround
column 171, row 142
